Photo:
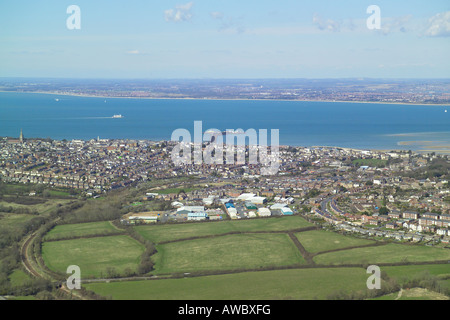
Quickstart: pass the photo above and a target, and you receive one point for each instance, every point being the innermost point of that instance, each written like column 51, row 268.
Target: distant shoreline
column 223, row 99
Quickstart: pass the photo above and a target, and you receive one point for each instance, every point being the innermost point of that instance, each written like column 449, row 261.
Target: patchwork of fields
column 267, row 258
column 172, row 232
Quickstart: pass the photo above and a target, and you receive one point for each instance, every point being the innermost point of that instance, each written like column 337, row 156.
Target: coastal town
column 426, row 91
column 233, row 153
column 400, row 195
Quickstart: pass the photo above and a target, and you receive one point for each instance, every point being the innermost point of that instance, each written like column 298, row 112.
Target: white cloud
column 389, row 25
column 182, row 12
column 329, row 24
column 439, row 25
column 133, row 52
column 397, row 24
column 228, row 23
column 217, row 15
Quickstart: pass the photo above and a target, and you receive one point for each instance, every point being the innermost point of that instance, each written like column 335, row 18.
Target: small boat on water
column 117, row 116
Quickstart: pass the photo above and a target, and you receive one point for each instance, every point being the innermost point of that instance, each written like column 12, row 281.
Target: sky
column 167, row 39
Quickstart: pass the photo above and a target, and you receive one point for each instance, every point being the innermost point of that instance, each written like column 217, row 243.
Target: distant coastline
column 222, row 99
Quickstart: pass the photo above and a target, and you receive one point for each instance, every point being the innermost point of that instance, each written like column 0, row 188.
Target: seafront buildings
column 362, row 191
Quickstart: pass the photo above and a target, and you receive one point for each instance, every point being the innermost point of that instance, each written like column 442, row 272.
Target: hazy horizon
column 227, row 79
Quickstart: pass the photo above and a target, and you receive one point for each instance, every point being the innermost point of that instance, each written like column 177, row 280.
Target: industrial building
column 286, row 211
column 264, row 212
column 142, row 217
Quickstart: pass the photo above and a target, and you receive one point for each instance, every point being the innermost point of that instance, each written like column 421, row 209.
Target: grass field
column 261, row 285
column 318, row 240
column 13, row 221
column 80, row 230
column 389, row 253
column 93, row 255
column 409, row 272
column 243, row 251
column 308, row 283
column 169, row 232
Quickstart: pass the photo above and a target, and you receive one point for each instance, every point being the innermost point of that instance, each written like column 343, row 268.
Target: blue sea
column 352, row 125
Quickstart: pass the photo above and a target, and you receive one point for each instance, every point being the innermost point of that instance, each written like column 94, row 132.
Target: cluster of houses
column 406, row 225
column 97, row 164
column 399, row 235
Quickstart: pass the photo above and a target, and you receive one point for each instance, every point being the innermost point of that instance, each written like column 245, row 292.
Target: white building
column 264, row 212
column 278, row 206
column 251, row 214
column 177, row 204
column 258, row 200
column 232, row 212
column 197, row 216
column 246, row 196
column 287, row 211
column 192, row 208
column 208, row 201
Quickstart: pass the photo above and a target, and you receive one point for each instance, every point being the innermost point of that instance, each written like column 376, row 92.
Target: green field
column 311, row 283
column 167, row 232
column 411, row 271
column 93, row 255
column 243, row 251
column 407, row 273
column 12, row 222
column 389, row 253
column 262, row 285
column 68, row 231
column 318, row 240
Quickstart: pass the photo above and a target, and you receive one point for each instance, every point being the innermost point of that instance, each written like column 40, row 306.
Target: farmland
column 80, row 230
column 389, row 253
column 94, row 256
column 318, row 240
column 243, row 251
column 260, row 285
column 263, row 258
column 171, row 232
column 258, row 259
